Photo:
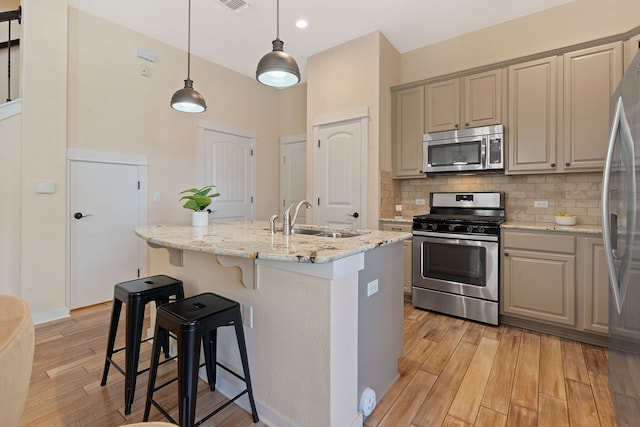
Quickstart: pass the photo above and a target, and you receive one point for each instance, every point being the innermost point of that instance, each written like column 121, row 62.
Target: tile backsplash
column 575, row 193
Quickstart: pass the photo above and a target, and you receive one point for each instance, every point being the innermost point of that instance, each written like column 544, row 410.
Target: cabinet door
column 482, row 99
column 409, row 128
column 443, row 106
column 539, row 285
column 590, row 77
column 593, row 267
column 631, row 48
column 532, row 104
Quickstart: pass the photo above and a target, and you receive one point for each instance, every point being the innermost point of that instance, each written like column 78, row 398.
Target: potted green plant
column 198, row 200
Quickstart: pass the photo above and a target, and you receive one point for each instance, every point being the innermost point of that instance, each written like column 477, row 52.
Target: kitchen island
column 323, row 316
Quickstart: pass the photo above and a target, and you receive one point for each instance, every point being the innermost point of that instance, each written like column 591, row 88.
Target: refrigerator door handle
column 619, row 283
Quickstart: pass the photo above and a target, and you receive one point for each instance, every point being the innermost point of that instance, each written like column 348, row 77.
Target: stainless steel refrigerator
column 622, row 246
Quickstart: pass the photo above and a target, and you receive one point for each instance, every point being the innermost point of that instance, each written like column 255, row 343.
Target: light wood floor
column 453, row 373
column 460, row 373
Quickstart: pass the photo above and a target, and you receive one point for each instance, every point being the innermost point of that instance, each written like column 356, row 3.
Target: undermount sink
column 338, row 234
column 306, row 231
column 333, row 234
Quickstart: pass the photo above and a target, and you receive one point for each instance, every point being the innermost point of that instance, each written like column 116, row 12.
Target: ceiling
column 238, row 40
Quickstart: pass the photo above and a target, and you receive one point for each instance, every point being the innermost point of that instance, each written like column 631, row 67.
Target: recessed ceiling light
column 301, row 23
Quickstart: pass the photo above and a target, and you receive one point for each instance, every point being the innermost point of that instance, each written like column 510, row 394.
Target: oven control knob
column 452, row 227
column 469, row 228
column 434, row 227
column 480, row 229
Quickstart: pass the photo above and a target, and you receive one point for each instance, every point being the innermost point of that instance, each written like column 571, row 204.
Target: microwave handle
column 484, row 143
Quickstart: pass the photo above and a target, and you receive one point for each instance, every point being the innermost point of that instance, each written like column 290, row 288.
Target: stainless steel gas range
column 455, row 255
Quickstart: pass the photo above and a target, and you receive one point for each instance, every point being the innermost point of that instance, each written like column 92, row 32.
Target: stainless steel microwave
column 471, row 149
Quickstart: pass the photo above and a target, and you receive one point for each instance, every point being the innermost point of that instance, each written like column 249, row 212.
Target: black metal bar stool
column 136, row 294
column 192, row 320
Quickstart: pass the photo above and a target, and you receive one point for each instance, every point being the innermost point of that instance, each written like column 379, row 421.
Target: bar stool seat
column 136, row 294
column 191, row 321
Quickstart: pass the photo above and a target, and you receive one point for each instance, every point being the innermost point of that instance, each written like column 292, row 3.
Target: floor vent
column 236, row 6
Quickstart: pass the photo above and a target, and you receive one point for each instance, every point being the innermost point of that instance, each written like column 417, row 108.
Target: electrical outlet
column 247, row 315
column 398, row 208
column 372, row 287
column 421, row 202
column 540, row 204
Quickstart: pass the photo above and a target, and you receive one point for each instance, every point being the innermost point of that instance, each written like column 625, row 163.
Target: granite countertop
column 521, row 225
column 578, row 228
column 252, row 239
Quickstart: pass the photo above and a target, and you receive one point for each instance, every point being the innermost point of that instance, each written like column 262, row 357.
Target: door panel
column 293, row 176
column 337, row 175
column 230, row 165
column 103, row 246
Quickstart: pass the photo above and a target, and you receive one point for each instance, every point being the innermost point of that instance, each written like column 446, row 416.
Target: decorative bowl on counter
column 565, row 220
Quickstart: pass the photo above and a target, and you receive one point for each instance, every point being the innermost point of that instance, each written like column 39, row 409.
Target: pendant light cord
column 277, row 19
column 189, row 44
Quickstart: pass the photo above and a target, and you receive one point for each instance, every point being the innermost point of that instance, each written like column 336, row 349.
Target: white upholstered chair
column 17, row 339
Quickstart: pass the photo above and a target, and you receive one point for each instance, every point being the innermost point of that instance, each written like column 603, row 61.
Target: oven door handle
column 466, row 237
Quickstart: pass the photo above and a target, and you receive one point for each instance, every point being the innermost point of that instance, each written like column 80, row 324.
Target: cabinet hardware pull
column 567, row 164
column 506, row 254
column 553, row 165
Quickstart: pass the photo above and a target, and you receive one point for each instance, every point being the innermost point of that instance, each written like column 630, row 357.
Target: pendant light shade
column 277, row 68
column 188, row 100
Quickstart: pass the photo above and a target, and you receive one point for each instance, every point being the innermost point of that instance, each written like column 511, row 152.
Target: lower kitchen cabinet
column 539, row 277
column 555, row 282
column 595, row 280
column 394, row 226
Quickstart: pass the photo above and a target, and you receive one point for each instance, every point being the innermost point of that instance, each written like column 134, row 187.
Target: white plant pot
column 200, row 219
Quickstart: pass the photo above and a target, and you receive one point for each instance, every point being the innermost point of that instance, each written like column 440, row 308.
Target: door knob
column 354, row 215
column 79, row 215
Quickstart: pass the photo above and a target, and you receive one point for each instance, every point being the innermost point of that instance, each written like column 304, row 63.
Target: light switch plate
column 45, row 187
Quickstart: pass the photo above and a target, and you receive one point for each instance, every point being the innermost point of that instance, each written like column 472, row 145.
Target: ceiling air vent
column 236, row 6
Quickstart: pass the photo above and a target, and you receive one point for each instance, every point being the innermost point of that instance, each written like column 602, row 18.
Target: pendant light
column 188, row 100
column 277, row 68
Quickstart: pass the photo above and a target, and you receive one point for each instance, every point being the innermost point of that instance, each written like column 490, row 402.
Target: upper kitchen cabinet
column 631, row 47
column 559, row 110
column 590, row 77
column 532, row 105
column 408, row 130
column 470, row 101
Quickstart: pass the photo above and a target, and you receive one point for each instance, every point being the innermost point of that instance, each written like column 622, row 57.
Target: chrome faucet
column 287, row 221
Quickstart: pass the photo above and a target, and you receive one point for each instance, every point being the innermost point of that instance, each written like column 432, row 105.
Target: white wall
column 10, row 172
column 42, row 222
column 345, row 78
column 572, row 23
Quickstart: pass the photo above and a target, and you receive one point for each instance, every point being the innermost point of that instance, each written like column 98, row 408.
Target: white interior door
column 339, row 181
column 229, row 164
column 293, row 174
column 104, row 208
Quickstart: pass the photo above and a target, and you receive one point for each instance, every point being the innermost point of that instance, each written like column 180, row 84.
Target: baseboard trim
column 50, row 316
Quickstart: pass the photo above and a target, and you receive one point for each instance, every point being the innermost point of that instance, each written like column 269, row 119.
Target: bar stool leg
column 135, row 319
column 165, row 341
column 209, row 345
column 237, row 323
column 188, row 365
column 111, row 341
column 160, row 333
